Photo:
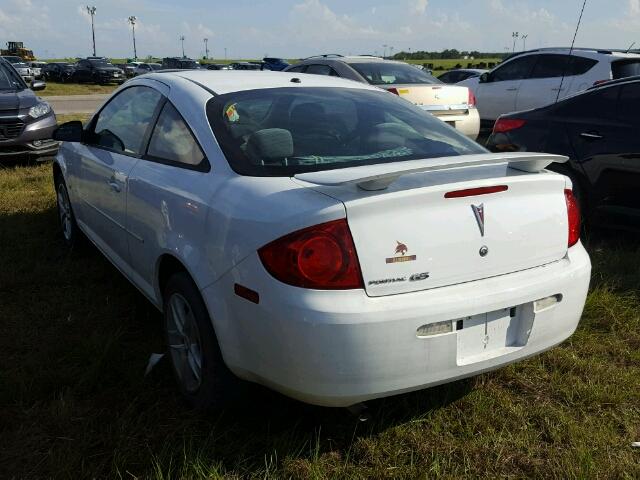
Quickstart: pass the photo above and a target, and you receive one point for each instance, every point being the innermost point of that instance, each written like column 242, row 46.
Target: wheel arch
column 166, row 266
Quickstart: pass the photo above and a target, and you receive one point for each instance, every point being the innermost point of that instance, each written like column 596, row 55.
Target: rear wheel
column 70, row 231
column 203, row 378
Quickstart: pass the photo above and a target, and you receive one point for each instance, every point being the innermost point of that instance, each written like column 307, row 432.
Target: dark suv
column 26, row 121
column 180, row 63
column 58, row 71
column 97, row 70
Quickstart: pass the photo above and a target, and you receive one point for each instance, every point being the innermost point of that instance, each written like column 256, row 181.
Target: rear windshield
column 391, row 73
column 625, row 68
column 284, row 131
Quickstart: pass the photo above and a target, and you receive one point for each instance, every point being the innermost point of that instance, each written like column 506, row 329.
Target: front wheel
column 203, row 378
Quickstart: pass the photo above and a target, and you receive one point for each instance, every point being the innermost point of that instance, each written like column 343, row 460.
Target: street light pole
column 206, row 48
column 132, row 21
column 384, row 51
column 225, row 53
column 514, row 35
column 182, row 40
column 92, row 11
column 524, row 41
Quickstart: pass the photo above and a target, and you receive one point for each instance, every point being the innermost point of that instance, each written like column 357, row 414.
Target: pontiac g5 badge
column 401, row 250
column 478, row 211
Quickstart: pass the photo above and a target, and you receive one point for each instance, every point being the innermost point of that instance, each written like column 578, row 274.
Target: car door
column 618, row 175
column 166, row 208
column 83, row 71
column 546, row 82
column 497, row 95
column 115, row 140
column 590, row 121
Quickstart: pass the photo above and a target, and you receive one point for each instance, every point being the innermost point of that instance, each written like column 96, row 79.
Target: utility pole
column 132, row 21
column 206, row 48
column 92, row 11
column 182, row 40
column 391, row 52
column 515, row 36
column 524, row 41
column 384, row 51
column 225, row 53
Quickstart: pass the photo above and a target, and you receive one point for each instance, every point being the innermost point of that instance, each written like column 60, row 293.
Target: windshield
column 9, row 79
column 189, row 64
column 155, row 66
column 284, row 131
column 392, row 73
column 13, row 59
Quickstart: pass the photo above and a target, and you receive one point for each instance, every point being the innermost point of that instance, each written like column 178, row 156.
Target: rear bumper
column 467, row 123
column 341, row 348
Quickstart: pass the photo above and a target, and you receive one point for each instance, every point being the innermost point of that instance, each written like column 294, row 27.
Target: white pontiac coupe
column 320, row 236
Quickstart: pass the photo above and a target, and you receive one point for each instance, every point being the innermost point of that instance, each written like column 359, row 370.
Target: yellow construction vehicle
column 17, row 49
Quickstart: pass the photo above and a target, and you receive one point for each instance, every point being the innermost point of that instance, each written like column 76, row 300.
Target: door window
column 516, row 69
column 321, row 70
column 552, row 66
column 123, row 123
column 172, row 140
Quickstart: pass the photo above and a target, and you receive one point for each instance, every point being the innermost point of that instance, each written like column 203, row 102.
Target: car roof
column 592, row 52
column 229, row 81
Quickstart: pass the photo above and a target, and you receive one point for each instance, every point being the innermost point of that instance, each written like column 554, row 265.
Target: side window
column 629, row 103
column 123, row 123
column 298, row 69
column 172, row 141
column 581, row 65
column 551, row 66
column 320, row 70
column 516, row 69
column 599, row 104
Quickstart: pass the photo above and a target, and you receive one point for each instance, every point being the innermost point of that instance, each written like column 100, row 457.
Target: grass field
column 54, row 89
column 75, row 338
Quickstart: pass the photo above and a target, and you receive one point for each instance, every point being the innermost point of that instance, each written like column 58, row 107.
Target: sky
column 300, row 28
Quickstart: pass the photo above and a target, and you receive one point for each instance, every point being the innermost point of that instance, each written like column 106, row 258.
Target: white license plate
column 489, row 335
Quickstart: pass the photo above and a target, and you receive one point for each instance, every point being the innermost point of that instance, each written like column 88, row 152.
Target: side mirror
column 484, row 78
column 69, row 132
column 38, row 85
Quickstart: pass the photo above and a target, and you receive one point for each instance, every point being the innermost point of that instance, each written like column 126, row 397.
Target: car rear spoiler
column 379, row 177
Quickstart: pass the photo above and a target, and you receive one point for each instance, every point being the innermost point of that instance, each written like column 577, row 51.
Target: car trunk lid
column 433, row 228
column 437, row 99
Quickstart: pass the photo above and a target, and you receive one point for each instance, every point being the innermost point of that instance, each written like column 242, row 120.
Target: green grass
column 54, row 88
column 74, row 403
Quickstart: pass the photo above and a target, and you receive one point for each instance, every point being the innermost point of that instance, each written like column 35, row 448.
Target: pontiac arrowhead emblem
column 478, row 211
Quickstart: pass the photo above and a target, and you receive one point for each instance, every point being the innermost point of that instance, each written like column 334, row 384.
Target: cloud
column 634, row 7
column 314, row 19
column 419, row 6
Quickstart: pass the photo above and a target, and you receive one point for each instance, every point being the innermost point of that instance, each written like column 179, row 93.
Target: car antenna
column 564, row 70
column 630, row 47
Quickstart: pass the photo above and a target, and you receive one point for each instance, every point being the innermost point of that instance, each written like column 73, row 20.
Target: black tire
column 217, row 386
column 71, row 234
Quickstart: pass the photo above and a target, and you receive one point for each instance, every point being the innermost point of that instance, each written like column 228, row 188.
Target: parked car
column 26, row 121
column 21, row 67
column 146, row 68
column 275, row 64
column 36, row 69
column 245, row 66
column 97, row 70
column 180, row 63
column 452, row 104
column 128, row 68
column 217, row 66
column 58, row 71
column 598, row 130
column 397, row 253
column 535, row 78
column 460, row 74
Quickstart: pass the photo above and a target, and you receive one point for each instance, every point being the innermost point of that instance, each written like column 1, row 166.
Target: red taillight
column 472, row 99
column 504, row 125
column 600, row 82
column 474, row 192
column 573, row 214
column 321, row 257
column 393, row 90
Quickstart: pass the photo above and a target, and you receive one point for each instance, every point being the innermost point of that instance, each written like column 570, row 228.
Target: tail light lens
column 393, row 90
column 600, row 82
column 322, row 257
column 472, row 99
column 573, row 214
column 504, row 125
